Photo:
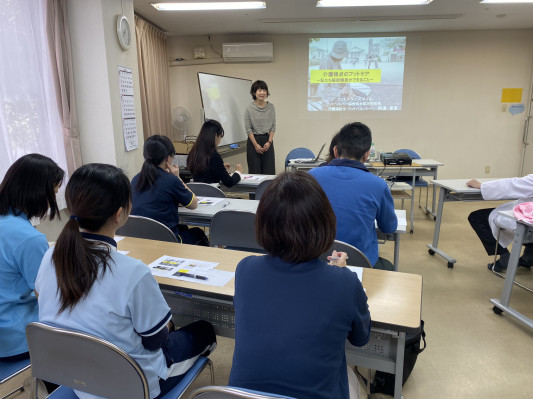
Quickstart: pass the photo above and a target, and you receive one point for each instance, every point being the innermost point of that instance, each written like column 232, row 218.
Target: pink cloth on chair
column 524, row 212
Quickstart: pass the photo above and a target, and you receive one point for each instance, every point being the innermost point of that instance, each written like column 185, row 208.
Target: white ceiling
column 302, row 16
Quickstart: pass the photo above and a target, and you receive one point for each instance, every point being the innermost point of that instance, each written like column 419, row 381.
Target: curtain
column 29, row 120
column 153, row 78
column 61, row 65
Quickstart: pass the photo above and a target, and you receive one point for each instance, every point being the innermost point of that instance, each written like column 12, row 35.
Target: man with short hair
column 357, row 197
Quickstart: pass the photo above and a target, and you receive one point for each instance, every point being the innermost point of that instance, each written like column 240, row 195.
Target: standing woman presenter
column 260, row 125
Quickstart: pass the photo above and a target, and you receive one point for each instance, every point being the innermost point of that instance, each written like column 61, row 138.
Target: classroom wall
column 96, row 55
column 451, row 101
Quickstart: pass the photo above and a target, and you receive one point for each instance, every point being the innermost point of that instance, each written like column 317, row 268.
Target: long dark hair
column 198, row 159
column 29, row 187
column 156, row 149
column 94, row 193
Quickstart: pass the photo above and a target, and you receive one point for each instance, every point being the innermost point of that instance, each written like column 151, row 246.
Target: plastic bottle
column 372, row 152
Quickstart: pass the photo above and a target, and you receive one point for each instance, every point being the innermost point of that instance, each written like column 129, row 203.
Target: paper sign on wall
column 127, row 105
column 511, row 95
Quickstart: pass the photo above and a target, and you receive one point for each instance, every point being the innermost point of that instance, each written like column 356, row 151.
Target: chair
column 355, row 256
column 218, row 392
column 143, row 227
column 419, row 182
column 9, row 370
column 205, row 190
column 234, row 230
column 261, row 188
column 87, row 363
column 299, row 152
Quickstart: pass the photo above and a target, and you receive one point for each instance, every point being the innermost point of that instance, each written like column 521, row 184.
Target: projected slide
column 356, row 74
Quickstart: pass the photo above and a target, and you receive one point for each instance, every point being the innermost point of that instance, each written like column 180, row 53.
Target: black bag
column 384, row 382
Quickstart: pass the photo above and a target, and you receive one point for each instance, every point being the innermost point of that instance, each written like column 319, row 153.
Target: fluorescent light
column 362, row 3
column 202, row 6
column 506, row 1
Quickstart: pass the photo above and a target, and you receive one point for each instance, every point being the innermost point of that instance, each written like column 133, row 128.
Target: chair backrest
column 413, row 154
column 234, row 229
column 143, row 227
column 219, row 392
column 205, row 190
column 355, row 256
column 261, row 188
column 299, row 152
column 84, row 362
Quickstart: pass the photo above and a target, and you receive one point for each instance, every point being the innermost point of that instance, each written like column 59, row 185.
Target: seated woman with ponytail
column 85, row 284
column 204, row 161
column 158, row 191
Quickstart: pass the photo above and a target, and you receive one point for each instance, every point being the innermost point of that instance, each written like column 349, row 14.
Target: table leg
column 433, row 204
column 396, row 251
column 433, row 248
column 502, row 305
column 413, row 187
column 398, row 373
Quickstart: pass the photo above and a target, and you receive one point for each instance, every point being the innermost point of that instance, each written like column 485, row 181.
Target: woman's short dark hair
column 294, row 219
column 204, row 146
column 94, row 193
column 258, row 84
column 29, row 187
column 331, row 153
column 156, row 149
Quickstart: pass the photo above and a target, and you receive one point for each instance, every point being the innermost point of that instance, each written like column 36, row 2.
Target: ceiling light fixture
column 364, row 3
column 203, row 6
column 506, row 1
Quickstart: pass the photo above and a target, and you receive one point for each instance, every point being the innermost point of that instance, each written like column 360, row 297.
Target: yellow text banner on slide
column 346, row 76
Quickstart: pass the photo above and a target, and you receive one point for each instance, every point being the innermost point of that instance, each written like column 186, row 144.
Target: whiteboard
column 225, row 99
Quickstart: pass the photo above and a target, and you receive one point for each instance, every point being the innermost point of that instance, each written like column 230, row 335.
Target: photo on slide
column 356, row 74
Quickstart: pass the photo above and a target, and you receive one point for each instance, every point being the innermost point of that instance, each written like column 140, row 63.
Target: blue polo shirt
column 22, row 248
column 291, row 325
column 123, row 305
column 160, row 202
column 358, row 198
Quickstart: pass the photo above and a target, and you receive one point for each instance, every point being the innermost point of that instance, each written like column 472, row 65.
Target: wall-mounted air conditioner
column 248, row 52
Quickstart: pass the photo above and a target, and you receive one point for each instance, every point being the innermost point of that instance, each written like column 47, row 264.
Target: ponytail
column 156, row 149
column 77, row 262
column 94, row 193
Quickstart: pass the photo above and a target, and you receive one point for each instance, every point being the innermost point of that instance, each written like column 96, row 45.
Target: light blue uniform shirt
column 123, row 305
column 21, row 250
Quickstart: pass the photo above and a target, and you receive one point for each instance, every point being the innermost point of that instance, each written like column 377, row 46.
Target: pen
column 226, row 204
column 197, row 276
column 337, row 258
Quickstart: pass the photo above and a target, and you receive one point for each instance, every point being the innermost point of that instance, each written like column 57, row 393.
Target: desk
column 451, row 190
column 203, row 215
column 420, row 167
column 523, row 231
column 394, row 299
column 247, row 185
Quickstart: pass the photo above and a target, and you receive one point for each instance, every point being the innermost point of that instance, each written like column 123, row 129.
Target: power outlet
column 505, row 107
column 487, row 169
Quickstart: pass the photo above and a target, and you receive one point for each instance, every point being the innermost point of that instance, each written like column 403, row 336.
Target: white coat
column 514, row 187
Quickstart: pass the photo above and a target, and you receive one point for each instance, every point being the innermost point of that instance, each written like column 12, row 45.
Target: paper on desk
column 118, row 238
column 123, row 252
column 171, row 267
column 252, row 177
column 358, row 270
column 210, row 201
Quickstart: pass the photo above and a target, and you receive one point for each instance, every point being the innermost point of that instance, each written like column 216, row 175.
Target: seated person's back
column 205, row 163
column 27, row 190
column 157, row 190
column 358, row 198
column 294, row 312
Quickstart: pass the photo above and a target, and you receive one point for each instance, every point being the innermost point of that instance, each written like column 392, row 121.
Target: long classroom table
column 203, row 214
column 394, row 299
column 419, row 167
column 451, row 190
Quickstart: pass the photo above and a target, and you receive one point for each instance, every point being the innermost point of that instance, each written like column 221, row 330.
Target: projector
column 399, row 158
